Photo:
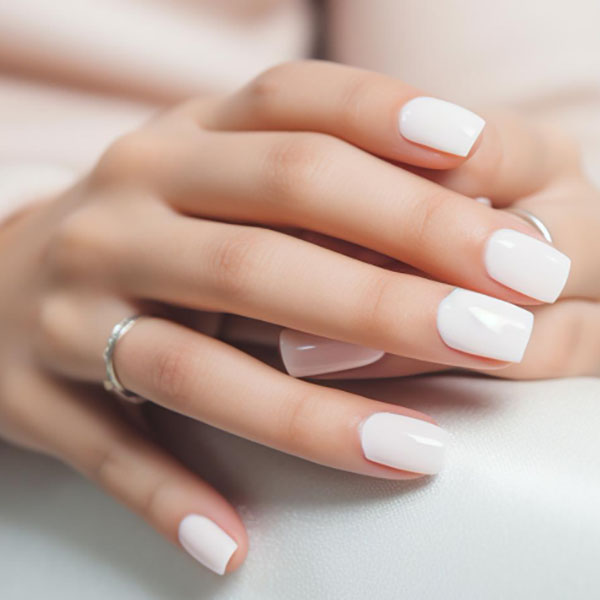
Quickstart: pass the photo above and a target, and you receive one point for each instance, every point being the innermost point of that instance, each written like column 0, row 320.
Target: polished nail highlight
column 440, row 125
column 306, row 355
column 206, row 542
column 403, row 442
column 527, row 265
column 485, row 326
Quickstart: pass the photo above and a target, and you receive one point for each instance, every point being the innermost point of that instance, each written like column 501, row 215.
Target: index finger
column 372, row 111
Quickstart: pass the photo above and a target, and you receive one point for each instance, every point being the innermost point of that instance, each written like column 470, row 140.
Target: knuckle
column 102, row 463
column 356, row 94
column 297, row 419
column 54, row 322
column 154, row 499
column 375, row 307
column 79, row 245
column 427, row 214
column 265, row 89
column 171, row 371
column 237, row 260
column 295, row 166
column 131, row 157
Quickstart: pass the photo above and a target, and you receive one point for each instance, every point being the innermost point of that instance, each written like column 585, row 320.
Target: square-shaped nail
column 526, row 264
column 206, row 542
column 403, row 442
column 306, row 355
column 440, row 125
column 485, row 326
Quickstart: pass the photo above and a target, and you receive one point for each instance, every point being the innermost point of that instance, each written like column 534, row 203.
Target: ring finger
column 210, row 381
column 317, row 182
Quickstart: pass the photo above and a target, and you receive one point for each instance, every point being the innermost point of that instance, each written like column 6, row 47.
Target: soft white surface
column 515, row 514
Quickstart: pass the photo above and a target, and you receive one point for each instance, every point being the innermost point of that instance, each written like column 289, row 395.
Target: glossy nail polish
column 204, row 540
column 403, row 442
column 527, row 265
column 306, row 355
column 485, row 326
column 440, row 125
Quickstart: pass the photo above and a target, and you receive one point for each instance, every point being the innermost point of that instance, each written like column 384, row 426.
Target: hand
column 539, row 170
column 192, row 211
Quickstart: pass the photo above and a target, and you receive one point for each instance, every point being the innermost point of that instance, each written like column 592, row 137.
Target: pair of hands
column 321, row 199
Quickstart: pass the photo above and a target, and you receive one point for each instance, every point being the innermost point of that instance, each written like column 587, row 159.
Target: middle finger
column 323, row 184
column 267, row 275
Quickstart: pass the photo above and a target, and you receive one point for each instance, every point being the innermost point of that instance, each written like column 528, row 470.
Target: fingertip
column 440, row 125
column 211, row 543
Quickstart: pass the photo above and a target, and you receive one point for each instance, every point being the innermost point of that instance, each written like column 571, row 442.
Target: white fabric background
column 516, row 513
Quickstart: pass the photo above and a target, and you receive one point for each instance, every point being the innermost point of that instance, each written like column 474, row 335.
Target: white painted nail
column 485, row 326
column 306, row 355
column 526, row 265
column 206, row 542
column 403, row 442
column 440, row 125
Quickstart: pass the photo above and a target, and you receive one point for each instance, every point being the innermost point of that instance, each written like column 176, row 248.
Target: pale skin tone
column 304, row 210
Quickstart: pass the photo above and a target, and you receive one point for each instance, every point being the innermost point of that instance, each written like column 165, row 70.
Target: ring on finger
column 533, row 220
column 111, row 382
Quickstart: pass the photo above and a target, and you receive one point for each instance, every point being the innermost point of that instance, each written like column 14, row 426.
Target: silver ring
column 531, row 218
column 112, row 383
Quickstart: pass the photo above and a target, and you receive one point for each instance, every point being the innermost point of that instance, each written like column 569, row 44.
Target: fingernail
column 440, row 125
column 483, row 200
column 204, row 540
column 305, row 355
column 403, row 442
column 526, row 265
column 485, row 326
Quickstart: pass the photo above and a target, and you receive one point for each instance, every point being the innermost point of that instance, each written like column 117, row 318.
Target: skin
column 260, row 205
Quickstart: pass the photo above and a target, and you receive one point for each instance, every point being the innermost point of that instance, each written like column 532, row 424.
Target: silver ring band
column 112, row 383
column 533, row 220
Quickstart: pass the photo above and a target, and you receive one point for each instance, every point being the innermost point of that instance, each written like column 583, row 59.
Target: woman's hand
column 203, row 209
column 539, row 171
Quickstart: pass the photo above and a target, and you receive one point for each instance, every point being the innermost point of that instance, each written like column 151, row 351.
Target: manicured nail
column 403, row 442
column 440, row 125
column 485, row 326
column 306, row 355
column 526, row 265
column 206, row 542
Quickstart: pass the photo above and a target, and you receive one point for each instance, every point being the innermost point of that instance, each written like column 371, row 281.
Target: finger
column 88, row 433
column 208, row 380
column 517, row 157
column 570, row 209
column 338, row 360
column 566, row 342
column 269, row 276
column 378, row 113
column 219, row 385
column 318, row 183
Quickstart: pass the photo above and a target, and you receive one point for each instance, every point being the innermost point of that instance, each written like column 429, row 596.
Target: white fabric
column 515, row 515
